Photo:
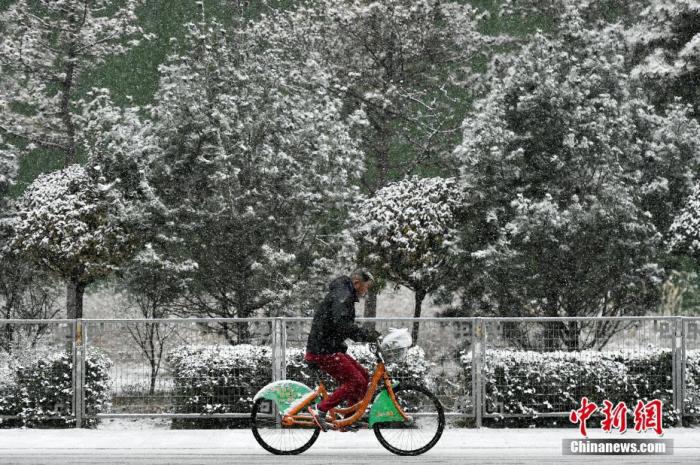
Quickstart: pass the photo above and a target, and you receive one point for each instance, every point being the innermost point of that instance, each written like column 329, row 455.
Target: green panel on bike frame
column 383, row 410
column 283, row 393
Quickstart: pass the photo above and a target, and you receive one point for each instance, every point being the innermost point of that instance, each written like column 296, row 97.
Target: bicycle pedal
column 349, row 429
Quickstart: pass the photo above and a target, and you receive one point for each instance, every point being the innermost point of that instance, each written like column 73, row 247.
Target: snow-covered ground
column 527, row 446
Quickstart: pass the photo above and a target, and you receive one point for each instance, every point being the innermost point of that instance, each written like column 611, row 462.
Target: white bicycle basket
column 395, row 345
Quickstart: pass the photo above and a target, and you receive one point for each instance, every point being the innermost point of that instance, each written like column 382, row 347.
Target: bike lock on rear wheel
column 266, row 424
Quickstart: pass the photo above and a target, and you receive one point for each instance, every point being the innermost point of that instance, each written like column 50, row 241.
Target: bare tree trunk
column 154, row 375
column 371, row 307
column 573, row 339
column 420, row 295
column 151, row 354
column 75, row 290
column 371, row 303
column 8, row 329
column 243, row 333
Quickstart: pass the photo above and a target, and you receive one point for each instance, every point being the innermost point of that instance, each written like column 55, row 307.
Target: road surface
column 483, row 446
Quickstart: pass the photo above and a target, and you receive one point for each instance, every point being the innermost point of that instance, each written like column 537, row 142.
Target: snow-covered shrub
column 43, row 388
column 217, row 379
column 224, row 379
column 8, row 404
column 692, row 381
column 532, row 383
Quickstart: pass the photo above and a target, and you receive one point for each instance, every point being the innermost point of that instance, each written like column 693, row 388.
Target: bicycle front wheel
column 275, row 437
column 422, row 432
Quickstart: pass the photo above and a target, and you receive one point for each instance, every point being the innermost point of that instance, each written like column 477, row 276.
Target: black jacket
column 334, row 320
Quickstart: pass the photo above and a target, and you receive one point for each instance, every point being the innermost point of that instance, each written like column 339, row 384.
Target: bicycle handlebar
column 376, row 350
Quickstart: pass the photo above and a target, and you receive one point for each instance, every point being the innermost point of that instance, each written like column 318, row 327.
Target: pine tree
column 253, row 164
column 575, row 176
column 46, row 48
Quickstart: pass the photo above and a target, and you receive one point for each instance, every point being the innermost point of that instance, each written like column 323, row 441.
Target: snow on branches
column 665, row 48
column 45, row 48
column 685, row 230
column 571, row 168
column 407, row 230
column 8, row 169
column 72, row 225
column 249, row 154
column 406, row 63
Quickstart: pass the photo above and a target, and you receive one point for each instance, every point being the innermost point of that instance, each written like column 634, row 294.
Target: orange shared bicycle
column 407, row 419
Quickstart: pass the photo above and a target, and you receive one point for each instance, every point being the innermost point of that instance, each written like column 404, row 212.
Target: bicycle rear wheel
column 423, row 431
column 276, row 438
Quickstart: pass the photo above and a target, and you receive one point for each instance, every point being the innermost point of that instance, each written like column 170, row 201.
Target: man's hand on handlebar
column 373, row 336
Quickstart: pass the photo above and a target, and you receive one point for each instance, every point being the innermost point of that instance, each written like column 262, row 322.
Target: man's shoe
column 319, row 418
column 350, row 429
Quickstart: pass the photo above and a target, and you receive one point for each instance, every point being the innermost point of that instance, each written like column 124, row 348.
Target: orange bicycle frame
column 295, row 418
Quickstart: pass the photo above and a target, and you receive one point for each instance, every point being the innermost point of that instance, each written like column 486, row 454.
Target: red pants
column 352, row 377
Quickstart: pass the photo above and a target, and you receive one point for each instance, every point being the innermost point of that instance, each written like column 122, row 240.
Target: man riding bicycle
column 333, row 323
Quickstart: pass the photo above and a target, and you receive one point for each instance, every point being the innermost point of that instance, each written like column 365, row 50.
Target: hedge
column 224, row 379
column 43, row 388
column 532, row 383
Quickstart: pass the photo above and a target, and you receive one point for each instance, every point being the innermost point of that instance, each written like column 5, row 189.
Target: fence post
column 283, row 348
column 278, row 349
column 83, row 354
column 678, row 370
column 477, row 374
column 78, row 372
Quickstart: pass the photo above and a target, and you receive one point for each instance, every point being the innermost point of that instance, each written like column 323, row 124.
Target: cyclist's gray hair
column 362, row 275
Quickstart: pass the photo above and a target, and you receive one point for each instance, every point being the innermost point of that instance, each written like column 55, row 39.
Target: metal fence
column 194, row 370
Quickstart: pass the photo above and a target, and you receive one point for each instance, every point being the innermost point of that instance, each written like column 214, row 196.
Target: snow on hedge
column 224, row 379
column 529, row 382
column 37, row 389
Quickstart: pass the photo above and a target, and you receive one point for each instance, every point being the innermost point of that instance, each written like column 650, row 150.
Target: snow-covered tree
column 665, row 48
column 595, row 13
column 681, row 289
column 153, row 288
column 75, row 228
column 685, row 230
column 573, row 174
column 116, row 140
column 406, row 63
column 406, row 233
column 662, row 36
column 253, row 163
column 46, row 47
column 26, row 291
column 8, row 171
